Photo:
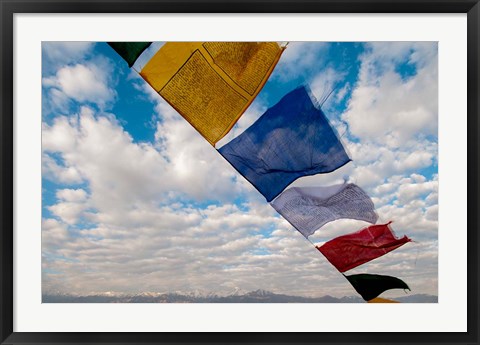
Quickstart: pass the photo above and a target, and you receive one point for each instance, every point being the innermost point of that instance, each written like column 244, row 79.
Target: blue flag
column 292, row 139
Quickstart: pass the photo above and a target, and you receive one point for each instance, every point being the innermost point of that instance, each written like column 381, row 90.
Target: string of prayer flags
column 129, row 51
column 369, row 286
column 309, row 208
column 382, row 300
column 211, row 84
column 290, row 140
column 349, row 251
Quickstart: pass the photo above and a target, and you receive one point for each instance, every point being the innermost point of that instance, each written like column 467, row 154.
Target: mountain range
column 258, row 296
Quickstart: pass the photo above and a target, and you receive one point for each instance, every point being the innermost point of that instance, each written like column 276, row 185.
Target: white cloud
column 125, row 176
column 298, row 58
column 54, row 234
column 72, row 195
column 56, row 54
column 409, row 192
column 216, row 249
column 193, row 250
column 69, row 212
column 55, row 99
column 61, row 136
column 431, row 213
column 59, row 173
column 340, row 95
column 72, row 203
column 84, row 82
column 385, row 105
column 165, row 215
column 324, row 86
column 142, row 235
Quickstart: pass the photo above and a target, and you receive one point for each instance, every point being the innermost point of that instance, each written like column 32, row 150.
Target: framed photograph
column 239, row 172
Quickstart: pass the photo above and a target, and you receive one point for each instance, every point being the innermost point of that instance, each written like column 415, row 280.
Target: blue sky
column 134, row 200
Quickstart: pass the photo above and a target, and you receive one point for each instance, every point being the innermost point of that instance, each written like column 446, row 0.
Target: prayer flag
column 370, row 286
column 352, row 250
column 211, row 84
column 309, row 208
column 382, row 300
column 290, row 140
column 129, row 51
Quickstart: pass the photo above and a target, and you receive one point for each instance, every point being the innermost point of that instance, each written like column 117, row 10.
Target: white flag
column 309, row 208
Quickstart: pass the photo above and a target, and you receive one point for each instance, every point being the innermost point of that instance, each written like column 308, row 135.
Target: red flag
column 352, row 250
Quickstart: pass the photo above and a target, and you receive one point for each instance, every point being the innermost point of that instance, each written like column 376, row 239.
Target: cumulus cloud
column 189, row 250
column 72, row 195
column 124, row 176
column 72, row 203
column 57, row 54
column 83, row 82
column 69, row 212
column 387, row 108
column 409, row 192
column 173, row 215
column 59, row 173
column 380, row 163
column 54, row 234
column 299, row 58
column 324, row 87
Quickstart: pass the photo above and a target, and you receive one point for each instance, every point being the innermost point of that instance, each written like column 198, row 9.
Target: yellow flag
column 382, row 300
column 211, row 84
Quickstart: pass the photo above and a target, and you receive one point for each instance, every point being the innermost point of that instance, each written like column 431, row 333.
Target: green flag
column 129, row 51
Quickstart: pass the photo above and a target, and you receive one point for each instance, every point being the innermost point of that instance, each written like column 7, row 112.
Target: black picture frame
column 10, row 7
